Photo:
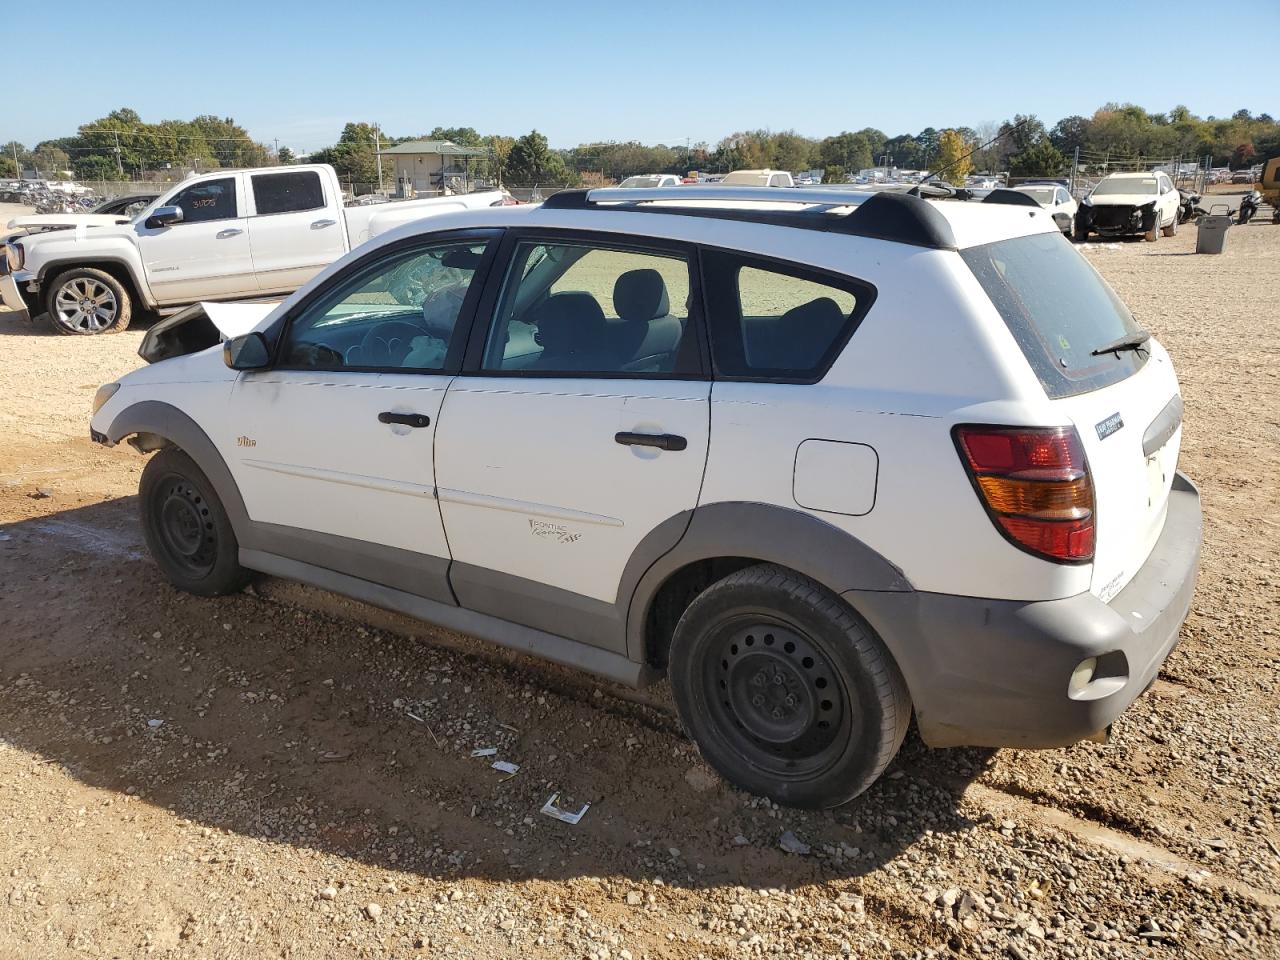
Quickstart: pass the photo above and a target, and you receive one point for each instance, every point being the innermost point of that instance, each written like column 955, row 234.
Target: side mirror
column 248, row 351
column 163, row 217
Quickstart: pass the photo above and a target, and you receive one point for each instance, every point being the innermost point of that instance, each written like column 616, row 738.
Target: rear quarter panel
column 931, row 353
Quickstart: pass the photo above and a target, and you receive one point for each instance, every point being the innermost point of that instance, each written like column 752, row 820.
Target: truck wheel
column 1172, row 229
column 787, row 692
column 87, row 301
column 186, row 527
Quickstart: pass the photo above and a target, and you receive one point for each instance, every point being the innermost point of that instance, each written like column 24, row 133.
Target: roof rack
column 880, row 214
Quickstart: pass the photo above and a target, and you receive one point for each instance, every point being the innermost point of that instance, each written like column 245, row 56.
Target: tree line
column 122, row 144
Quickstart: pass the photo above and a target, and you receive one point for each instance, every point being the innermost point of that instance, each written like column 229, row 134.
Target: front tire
column 84, row 302
column 186, row 527
column 787, row 692
column 1172, row 229
column 1152, row 235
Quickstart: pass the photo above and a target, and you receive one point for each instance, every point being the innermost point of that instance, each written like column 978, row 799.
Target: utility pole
column 276, row 141
column 16, row 164
column 119, row 162
column 377, row 152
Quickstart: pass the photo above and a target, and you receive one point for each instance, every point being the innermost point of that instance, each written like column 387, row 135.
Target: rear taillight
column 1035, row 484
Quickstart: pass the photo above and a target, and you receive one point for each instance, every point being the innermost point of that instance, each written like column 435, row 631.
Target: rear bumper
column 998, row 673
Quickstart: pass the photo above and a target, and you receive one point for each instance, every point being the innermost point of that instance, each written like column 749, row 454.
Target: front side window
column 777, row 322
column 576, row 309
column 287, row 192
column 399, row 313
column 1058, row 309
column 210, row 200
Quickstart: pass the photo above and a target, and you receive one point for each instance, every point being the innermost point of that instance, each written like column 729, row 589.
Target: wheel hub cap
column 777, row 697
column 186, row 527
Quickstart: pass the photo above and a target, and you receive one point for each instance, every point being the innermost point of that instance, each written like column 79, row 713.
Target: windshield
column 1058, row 309
column 1039, row 194
column 1122, row 185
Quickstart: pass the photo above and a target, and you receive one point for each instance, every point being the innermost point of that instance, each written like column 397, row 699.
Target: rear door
column 580, row 426
column 205, row 256
column 1124, row 403
column 295, row 228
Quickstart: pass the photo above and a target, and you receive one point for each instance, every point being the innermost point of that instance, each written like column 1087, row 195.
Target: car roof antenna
column 915, row 191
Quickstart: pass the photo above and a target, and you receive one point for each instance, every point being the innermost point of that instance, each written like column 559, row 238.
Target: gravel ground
column 287, row 774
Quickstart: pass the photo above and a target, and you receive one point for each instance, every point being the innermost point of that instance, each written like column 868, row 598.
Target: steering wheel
column 388, row 343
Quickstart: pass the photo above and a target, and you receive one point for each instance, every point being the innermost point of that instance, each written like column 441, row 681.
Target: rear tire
column 186, row 527
column 787, row 692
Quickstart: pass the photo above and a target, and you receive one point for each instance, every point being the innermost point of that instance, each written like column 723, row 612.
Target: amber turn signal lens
column 1044, row 500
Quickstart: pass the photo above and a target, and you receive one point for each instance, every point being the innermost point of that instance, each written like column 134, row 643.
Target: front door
column 293, row 232
column 580, row 426
column 332, row 448
column 206, row 255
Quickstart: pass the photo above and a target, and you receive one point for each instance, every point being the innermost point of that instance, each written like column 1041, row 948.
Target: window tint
column 287, row 192
column 1058, row 309
column 770, row 321
column 579, row 309
column 399, row 313
column 211, row 200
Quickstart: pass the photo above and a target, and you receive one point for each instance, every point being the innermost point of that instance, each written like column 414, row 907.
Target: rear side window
column 772, row 321
column 287, row 192
column 1058, row 309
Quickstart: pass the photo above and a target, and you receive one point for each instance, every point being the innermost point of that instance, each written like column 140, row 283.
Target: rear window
column 1058, row 309
column 287, row 192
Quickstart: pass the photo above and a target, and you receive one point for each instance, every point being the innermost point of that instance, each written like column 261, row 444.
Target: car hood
column 1123, row 199
column 44, row 221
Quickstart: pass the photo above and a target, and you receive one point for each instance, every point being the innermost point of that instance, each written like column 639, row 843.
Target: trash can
column 1211, row 230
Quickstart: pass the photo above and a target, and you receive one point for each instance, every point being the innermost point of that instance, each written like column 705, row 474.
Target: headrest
column 640, row 295
column 569, row 322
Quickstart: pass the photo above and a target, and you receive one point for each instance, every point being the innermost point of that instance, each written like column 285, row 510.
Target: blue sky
column 649, row 71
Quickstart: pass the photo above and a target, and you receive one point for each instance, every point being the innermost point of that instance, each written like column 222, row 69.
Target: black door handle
column 663, row 441
column 408, row 419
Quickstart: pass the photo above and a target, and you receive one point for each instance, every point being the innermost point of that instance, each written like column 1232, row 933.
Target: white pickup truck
column 228, row 235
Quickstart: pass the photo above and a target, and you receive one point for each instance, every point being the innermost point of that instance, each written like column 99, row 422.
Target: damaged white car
column 1127, row 204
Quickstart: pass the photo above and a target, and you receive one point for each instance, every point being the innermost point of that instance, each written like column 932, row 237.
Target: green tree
column 286, row 156
column 8, row 168
column 462, row 136
column 50, row 159
column 953, row 162
column 1040, row 159
column 849, row 151
column 94, row 167
column 532, row 161
column 13, row 150
column 834, row 174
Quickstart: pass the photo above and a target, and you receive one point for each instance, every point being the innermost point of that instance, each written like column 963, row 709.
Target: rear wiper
column 1130, row 341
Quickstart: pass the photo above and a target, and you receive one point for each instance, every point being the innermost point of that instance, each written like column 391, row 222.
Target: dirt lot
column 284, row 774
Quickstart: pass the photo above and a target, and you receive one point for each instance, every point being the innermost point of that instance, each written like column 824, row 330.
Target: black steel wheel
column 786, row 691
column 187, row 528
column 776, row 695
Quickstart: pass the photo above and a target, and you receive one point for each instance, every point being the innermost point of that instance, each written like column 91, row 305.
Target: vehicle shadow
column 14, row 325
column 294, row 723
